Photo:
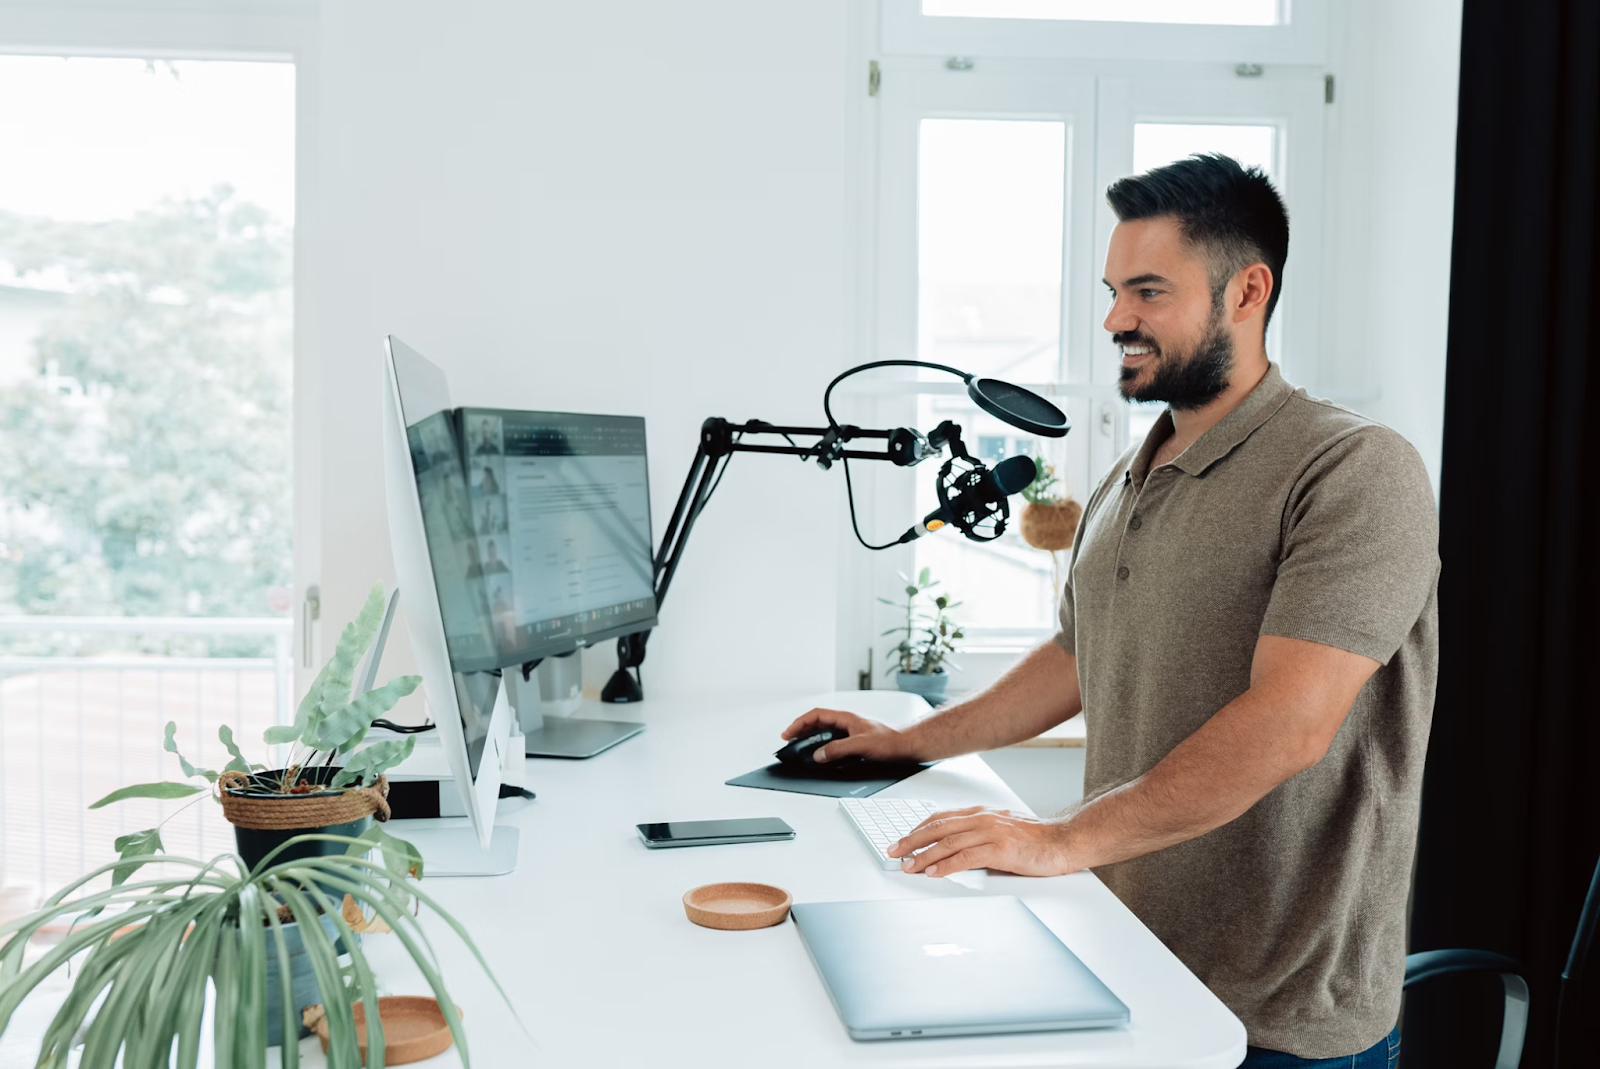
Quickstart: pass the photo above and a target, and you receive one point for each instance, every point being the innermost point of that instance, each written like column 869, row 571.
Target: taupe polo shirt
column 1292, row 517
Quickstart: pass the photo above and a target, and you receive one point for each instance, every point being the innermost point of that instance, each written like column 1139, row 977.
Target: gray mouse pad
column 857, row 780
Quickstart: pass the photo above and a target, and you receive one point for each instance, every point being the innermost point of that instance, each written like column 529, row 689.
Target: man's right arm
column 1034, row 695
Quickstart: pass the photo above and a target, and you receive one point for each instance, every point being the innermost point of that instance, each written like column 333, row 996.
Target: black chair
column 1434, row 963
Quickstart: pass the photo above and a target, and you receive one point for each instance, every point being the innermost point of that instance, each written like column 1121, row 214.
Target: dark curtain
column 1511, row 798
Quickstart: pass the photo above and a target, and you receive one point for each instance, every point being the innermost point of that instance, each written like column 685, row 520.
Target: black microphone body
column 966, row 509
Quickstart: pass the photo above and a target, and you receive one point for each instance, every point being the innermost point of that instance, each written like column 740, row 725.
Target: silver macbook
column 950, row 967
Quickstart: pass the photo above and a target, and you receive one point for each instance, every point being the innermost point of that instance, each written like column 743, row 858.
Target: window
column 146, row 292
column 990, row 242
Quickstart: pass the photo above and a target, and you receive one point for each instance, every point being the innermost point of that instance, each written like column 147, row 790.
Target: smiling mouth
column 1134, row 355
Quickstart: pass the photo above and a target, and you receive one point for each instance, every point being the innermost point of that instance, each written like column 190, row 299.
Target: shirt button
column 1122, row 572
column 1135, row 523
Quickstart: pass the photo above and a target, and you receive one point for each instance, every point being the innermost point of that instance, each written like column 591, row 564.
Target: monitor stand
column 560, row 736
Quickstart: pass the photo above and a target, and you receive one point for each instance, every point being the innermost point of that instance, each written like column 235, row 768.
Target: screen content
column 559, row 508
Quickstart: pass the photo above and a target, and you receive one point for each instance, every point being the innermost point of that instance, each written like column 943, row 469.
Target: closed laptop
column 950, row 967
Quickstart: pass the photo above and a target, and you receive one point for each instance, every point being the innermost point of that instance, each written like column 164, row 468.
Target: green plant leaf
column 170, row 744
column 281, row 733
column 134, row 845
column 342, row 728
column 399, row 856
column 332, row 689
column 237, row 762
column 922, row 576
column 166, row 790
column 367, row 764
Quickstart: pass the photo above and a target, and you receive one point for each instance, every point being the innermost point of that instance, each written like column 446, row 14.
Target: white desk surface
column 590, row 940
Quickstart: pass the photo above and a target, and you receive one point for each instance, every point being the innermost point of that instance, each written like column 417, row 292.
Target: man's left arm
column 1360, row 560
column 1299, row 694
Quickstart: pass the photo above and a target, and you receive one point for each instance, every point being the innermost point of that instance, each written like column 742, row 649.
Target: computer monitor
column 425, row 482
column 559, row 510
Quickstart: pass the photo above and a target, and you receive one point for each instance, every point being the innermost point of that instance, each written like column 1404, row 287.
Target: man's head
column 1195, row 266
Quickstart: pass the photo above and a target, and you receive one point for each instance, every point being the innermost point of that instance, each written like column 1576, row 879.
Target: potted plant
column 310, row 793
column 147, row 953
column 311, row 806
column 1049, row 521
column 926, row 640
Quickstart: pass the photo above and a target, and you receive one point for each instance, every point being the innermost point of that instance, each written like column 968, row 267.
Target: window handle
column 310, row 613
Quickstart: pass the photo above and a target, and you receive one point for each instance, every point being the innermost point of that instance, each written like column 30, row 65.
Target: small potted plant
column 310, row 794
column 309, row 808
column 1049, row 521
column 927, row 639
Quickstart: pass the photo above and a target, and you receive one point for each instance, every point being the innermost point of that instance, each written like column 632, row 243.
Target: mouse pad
column 860, row 779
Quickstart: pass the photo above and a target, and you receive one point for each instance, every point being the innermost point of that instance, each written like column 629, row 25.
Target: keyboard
column 882, row 822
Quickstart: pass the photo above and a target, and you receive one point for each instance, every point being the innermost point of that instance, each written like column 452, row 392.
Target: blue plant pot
column 930, row 686
column 303, row 980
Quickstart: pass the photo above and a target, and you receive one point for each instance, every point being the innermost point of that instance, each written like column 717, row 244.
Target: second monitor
column 550, row 517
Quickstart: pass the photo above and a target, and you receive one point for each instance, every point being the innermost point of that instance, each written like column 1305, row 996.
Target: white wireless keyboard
column 882, row 822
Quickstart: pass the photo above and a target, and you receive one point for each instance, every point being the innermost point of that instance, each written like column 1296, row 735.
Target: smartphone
column 714, row 832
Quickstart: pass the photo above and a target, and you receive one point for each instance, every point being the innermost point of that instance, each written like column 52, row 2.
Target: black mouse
column 798, row 753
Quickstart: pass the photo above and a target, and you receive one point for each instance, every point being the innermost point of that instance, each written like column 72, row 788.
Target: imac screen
column 447, row 527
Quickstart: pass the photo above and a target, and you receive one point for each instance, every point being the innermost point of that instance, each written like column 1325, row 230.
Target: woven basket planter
column 1051, row 527
column 262, row 823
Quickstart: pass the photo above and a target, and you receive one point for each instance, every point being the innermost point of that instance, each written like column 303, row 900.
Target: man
column 1249, row 628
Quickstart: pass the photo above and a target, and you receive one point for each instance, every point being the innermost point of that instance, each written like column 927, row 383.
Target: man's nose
column 1120, row 319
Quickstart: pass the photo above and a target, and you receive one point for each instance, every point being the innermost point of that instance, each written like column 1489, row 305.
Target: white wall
column 626, row 207
column 1391, row 158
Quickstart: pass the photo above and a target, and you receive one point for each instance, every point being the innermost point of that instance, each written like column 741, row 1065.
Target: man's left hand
column 976, row 838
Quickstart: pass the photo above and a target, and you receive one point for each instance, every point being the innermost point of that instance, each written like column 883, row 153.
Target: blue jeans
column 1381, row 1055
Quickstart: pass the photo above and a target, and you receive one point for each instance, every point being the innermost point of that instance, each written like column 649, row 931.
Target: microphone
column 980, row 494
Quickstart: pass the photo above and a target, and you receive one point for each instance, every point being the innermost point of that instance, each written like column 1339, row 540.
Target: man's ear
column 1255, row 284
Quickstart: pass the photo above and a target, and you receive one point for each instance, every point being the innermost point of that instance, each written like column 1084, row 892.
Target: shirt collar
column 1224, row 436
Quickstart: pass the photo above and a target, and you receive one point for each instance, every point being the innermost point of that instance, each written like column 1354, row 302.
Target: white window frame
column 1302, row 38
column 282, row 30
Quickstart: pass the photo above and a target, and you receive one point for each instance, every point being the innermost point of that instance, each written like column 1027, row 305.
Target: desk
column 589, row 938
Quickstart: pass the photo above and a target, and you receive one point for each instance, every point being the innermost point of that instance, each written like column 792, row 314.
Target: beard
column 1184, row 380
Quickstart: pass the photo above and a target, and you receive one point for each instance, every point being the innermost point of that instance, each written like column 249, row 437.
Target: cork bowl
column 737, row 907
column 414, row 1028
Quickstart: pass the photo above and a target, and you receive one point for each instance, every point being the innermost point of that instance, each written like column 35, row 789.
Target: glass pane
column 1156, row 144
column 1194, row 12
column 146, row 291
column 989, row 240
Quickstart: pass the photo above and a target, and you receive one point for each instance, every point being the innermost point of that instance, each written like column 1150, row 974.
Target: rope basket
column 280, row 812
column 1051, row 527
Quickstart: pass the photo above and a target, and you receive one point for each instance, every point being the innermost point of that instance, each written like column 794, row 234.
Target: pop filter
column 1021, row 408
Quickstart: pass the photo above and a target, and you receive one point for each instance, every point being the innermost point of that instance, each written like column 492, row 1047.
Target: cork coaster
column 737, row 907
column 414, row 1028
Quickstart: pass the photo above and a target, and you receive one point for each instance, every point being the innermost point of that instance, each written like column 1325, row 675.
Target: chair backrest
column 1578, row 956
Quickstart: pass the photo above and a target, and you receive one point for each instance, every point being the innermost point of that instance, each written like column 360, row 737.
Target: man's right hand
column 867, row 738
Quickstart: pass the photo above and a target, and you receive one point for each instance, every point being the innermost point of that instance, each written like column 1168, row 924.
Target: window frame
column 1301, row 39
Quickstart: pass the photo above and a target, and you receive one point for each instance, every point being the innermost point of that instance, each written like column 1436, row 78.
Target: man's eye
column 1149, row 294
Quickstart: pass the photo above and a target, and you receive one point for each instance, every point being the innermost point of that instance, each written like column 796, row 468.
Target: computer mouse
column 798, row 753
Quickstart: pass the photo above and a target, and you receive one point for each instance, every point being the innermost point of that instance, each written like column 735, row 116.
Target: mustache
column 1133, row 337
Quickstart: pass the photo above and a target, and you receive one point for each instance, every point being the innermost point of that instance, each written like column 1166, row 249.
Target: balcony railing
column 73, row 728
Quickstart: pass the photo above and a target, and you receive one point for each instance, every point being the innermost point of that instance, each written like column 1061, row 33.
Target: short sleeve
column 1066, row 637
column 1360, row 555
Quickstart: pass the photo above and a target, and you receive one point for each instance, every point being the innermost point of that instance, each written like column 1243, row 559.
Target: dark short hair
column 1229, row 212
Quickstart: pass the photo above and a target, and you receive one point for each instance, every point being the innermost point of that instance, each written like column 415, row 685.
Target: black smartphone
column 714, row 832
